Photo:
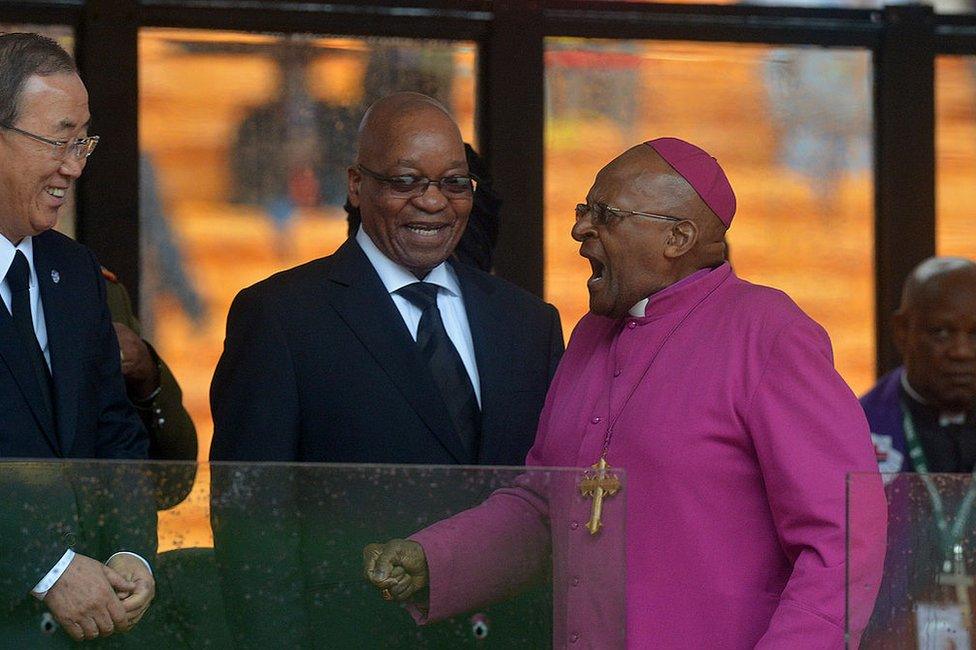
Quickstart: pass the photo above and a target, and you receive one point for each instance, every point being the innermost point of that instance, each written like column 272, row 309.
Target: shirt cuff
column 41, row 588
column 138, row 557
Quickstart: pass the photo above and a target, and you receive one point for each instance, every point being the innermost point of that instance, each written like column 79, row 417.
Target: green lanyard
column 951, row 536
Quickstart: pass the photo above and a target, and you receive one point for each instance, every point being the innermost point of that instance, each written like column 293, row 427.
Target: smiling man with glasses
column 61, row 383
column 386, row 351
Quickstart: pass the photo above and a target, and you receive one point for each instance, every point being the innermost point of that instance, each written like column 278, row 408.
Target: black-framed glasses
column 408, row 186
column 80, row 148
column 600, row 213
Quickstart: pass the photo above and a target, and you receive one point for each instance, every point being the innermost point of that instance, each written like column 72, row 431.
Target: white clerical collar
column 945, row 417
column 395, row 277
column 7, row 252
column 640, row 309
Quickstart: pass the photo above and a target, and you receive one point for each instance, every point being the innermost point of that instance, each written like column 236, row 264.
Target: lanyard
column 951, row 536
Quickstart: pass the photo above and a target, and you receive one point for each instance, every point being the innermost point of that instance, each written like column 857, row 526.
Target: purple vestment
column 735, row 442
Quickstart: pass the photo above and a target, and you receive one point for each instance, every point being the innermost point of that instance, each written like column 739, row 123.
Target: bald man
column 385, row 351
column 929, row 404
column 719, row 400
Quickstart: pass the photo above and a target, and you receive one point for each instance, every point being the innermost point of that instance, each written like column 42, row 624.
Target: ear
column 681, row 238
column 900, row 324
column 353, row 179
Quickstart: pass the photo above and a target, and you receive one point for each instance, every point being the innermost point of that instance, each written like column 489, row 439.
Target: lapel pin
column 55, row 276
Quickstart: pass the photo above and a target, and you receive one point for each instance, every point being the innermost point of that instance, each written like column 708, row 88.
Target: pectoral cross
column 959, row 579
column 597, row 485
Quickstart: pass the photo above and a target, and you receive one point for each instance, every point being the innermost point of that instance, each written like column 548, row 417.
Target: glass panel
column 65, row 36
column 287, row 566
column 925, row 598
column 955, row 149
column 245, row 141
column 792, row 129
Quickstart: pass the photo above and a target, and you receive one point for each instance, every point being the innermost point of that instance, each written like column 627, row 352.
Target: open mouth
column 426, row 229
column 56, row 192
column 598, row 269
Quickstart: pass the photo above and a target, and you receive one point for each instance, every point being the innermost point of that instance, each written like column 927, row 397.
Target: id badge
column 940, row 627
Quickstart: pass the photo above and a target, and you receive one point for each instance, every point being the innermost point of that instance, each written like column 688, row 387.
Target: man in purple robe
column 931, row 399
column 720, row 401
column 935, row 331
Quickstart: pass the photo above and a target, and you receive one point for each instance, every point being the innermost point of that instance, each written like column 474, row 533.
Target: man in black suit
column 383, row 352
column 61, row 389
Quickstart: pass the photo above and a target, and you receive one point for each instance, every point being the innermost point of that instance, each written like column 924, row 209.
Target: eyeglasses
column 80, row 148
column 408, row 186
column 601, row 213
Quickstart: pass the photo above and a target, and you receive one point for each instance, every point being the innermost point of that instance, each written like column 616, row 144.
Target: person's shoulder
column 757, row 302
column 66, row 255
column 289, row 284
column 515, row 296
column 882, row 388
column 58, row 243
column 762, row 317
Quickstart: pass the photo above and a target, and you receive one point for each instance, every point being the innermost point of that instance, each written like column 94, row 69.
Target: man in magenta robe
column 720, row 401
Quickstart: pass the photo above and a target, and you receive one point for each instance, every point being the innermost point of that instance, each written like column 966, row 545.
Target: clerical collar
column 395, row 277
column 664, row 296
column 945, row 417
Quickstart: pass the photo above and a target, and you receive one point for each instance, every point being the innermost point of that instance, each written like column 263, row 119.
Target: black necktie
column 18, row 280
column 446, row 366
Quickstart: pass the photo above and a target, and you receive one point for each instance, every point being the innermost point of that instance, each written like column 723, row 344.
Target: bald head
column 927, row 280
column 394, row 113
column 935, row 331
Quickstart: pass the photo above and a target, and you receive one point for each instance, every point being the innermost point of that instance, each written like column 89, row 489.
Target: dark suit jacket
column 46, row 507
column 94, row 416
column 318, row 366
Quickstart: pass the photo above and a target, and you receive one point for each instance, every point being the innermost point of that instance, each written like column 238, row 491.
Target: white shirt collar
column 7, row 252
column 639, row 309
column 911, row 391
column 395, row 277
column 945, row 417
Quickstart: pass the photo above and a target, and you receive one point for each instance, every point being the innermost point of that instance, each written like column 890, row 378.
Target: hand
column 84, row 600
column 399, row 568
column 138, row 367
column 135, row 600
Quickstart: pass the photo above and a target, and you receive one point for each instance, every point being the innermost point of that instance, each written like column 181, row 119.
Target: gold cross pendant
column 597, row 485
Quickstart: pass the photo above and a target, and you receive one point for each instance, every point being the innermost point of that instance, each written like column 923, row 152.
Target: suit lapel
column 65, row 359
column 364, row 304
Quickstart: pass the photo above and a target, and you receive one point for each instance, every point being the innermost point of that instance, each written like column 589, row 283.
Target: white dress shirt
column 450, row 302
column 7, row 252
